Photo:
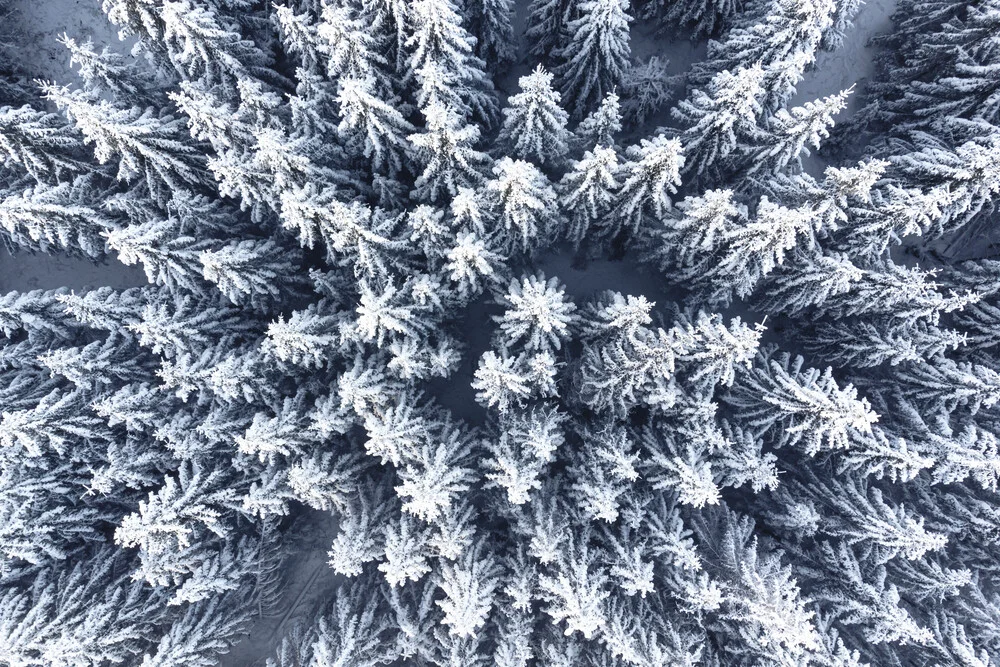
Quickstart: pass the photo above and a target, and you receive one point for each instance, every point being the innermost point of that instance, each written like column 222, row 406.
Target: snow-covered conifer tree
column 647, row 90
column 440, row 41
column 649, row 175
column 253, row 270
column 525, row 204
column 446, row 149
column 144, row 143
column 201, row 46
column 633, row 366
column 495, row 42
column 595, row 57
column 108, row 71
column 716, row 120
column 776, row 32
column 589, row 191
column 706, row 16
column 575, row 592
column 753, row 251
column 600, row 127
column 501, row 381
column 165, row 260
column 966, row 170
column 798, row 407
column 537, row 314
column 534, row 123
column 786, row 140
column 471, row 263
column 376, row 128
column 764, row 613
column 547, row 26
column 57, row 216
column 42, row 144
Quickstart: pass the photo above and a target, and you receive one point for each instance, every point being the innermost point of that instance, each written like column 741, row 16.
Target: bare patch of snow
column 25, row 271
column 43, row 21
column 308, row 584
column 852, row 63
column 646, row 41
column 586, row 279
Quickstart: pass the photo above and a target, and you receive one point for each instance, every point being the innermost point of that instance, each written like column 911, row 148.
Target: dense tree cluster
column 792, row 460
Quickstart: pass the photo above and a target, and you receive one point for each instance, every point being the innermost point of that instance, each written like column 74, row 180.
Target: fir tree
column 145, row 144
column 534, row 124
column 446, row 150
column 377, row 127
column 590, row 189
column 706, row 17
column 650, row 174
column 600, row 127
column 494, row 33
column 647, row 90
column 201, row 46
column 802, row 408
column 536, row 310
column 248, row 269
column 595, row 57
column 717, row 119
column 525, row 204
column 40, row 143
column 58, row 216
column 548, row 26
column 109, row 72
column 785, row 141
column 441, row 47
column 777, row 32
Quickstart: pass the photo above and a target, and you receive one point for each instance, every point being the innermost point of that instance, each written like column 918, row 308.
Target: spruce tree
column 717, row 119
column 589, row 190
column 594, row 59
column 534, row 123
column 495, row 42
column 441, row 48
column 446, row 151
column 547, row 27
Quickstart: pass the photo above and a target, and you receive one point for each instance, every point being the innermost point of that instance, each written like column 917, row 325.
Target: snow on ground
column 43, row 21
column 308, row 583
column 852, row 63
column 585, row 279
column 25, row 271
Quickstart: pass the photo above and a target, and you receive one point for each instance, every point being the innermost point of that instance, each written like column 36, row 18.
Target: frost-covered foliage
column 353, row 328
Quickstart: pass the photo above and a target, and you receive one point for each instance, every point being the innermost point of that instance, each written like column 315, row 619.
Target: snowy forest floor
column 308, row 582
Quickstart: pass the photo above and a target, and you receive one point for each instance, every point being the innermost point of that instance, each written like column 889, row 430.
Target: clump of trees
column 793, row 461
